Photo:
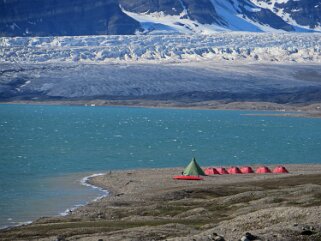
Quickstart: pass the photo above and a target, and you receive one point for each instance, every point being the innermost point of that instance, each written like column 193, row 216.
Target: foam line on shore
column 15, row 224
column 84, row 182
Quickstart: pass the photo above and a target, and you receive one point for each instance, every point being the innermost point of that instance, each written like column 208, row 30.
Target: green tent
column 193, row 169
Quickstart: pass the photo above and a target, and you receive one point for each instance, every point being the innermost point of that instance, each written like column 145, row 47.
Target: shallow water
column 46, row 150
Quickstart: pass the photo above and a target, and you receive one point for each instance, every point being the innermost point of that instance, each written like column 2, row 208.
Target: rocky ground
column 150, row 205
column 293, row 110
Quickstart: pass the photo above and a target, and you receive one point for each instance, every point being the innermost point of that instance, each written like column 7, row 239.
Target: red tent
column 247, row 170
column 263, row 169
column 222, row 170
column 211, row 171
column 280, row 169
column 234, row 170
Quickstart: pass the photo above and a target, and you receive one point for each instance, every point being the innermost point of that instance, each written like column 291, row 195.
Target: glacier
column 195, row 81
column 282, row 47
column 225, row 66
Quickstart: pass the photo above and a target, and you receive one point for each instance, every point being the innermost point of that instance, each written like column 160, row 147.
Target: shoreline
column 136, row 198
column 89, row 181
column 306, row 110
column 84, row 182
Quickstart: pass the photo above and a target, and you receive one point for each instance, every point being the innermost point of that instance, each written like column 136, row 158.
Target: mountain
column 119, row 17
column 61, row 17
column 205, row 16
column 303, row 13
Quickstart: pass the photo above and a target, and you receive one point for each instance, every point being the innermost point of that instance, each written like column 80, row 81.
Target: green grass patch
column 80, row 228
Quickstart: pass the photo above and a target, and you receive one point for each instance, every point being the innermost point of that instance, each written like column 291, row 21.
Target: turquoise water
column 46, row 150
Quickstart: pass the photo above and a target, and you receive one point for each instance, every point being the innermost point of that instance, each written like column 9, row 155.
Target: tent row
column 244, row 170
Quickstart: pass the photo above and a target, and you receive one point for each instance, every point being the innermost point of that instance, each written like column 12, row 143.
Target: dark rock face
column 304, row 12
column 265, row 16
column 61, row 17
column 202, row 11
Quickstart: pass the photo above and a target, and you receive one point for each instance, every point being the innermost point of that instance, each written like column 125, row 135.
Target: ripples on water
column 41, row 143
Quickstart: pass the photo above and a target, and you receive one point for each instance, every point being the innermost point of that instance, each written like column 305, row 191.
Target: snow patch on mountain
column 235, row 21
column 159, row 22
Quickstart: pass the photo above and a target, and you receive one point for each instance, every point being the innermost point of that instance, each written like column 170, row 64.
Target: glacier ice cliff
column 279, row 47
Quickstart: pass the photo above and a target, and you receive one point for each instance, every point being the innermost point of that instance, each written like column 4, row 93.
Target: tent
column 246, row 170
column 234, row 170
column 211, row 171
column 263, row 169
column 280, row 169
column 193, row 169
column 222, row 170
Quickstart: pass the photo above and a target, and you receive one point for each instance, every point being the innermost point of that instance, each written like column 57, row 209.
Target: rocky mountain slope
column 60, row 17
column 206, row 16
column 97, row 17
column 303, row 13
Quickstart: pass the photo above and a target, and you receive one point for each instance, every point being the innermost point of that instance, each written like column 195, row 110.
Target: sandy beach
column 149, row 205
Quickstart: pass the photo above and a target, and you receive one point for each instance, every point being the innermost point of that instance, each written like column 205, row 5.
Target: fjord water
column 46, row 150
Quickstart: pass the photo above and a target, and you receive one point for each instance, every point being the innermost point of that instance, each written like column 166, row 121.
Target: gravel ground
column 150, row 205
